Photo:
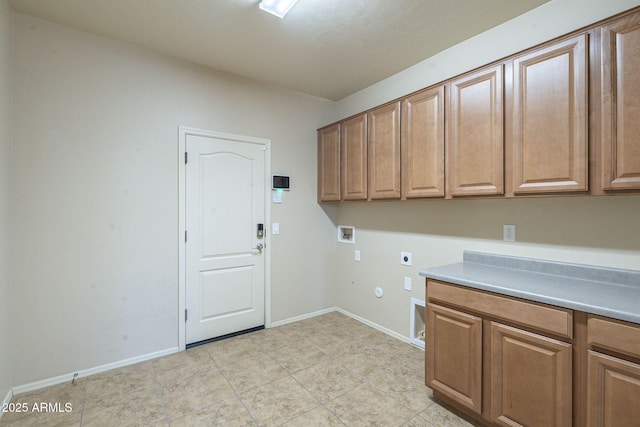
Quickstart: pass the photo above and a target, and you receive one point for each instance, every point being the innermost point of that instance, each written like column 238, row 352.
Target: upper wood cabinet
column 475, row 140
column 353, row 141
column 620, row 105
column 550, row 120
column 329, row 164
column 384, row 152
column 534, row 124
column 423, row 144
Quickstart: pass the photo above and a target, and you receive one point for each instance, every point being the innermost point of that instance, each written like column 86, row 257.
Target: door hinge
column 185, row 157
column 185, row 236
column 185, row 314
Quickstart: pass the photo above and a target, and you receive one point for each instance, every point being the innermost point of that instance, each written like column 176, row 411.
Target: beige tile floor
column 330, row 370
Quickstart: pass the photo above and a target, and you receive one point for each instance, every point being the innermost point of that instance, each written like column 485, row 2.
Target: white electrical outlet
column 509, row 233
column 407, row 283
column 405, row 258
column 356, row 255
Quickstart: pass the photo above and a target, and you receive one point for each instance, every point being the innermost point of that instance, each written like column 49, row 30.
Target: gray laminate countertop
column 598, row 290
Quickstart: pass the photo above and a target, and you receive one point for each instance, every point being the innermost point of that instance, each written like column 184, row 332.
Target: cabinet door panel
column 423, row 144
column 384, row 152
column 613, row 391
column 475, row 142
column 530, row 378
column 454, row 359
column 329, row 164
column 354, row 158
column 550, row 139
column 620, row 42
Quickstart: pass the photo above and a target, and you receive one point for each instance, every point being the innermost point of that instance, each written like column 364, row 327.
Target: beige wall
column 5, row 170
column 96, row 184
column 590, row 230
column 595, row 230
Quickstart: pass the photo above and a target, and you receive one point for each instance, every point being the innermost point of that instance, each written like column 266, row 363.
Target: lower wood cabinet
column 530, row 378
column 510, row 362
column 613, row 386
column 613, row 391
column 456, row 355
column 499, row 373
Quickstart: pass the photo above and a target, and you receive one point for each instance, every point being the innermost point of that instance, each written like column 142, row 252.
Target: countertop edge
column 574, row 304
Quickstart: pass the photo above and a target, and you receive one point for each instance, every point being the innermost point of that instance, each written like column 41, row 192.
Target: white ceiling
column 327, row 48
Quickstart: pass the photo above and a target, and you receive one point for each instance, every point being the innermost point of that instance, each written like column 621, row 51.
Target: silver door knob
column 260, row 247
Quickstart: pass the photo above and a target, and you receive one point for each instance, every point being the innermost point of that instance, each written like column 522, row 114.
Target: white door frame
column 183, row 132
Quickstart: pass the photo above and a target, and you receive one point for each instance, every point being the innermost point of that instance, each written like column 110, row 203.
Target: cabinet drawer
column 554, row 320
column 615, row 335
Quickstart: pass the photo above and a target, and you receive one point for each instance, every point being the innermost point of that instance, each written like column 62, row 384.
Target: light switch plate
column 275, row 228
column 356, row 255
column 407, row 283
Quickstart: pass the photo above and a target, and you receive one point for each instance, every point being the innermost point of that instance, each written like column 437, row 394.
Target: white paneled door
column 225, row 263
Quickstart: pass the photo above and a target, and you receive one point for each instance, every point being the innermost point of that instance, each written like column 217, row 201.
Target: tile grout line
column 201, row 408
column 425, row 409
column 169, row 420
column 291, row 375
column 84, row 398
column 334, row 359
column 235, row 392
column 159, row 386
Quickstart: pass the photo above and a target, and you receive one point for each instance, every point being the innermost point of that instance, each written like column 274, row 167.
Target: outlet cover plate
column 405, row 258
column 509, row 233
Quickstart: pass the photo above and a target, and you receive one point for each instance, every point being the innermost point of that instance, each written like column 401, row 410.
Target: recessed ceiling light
column 278, row 8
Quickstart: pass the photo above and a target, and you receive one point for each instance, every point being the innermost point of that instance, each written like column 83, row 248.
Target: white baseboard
column 6, row 400
column 302, row 317
column 374, row 325
column 84, row 373
column 345, row 312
